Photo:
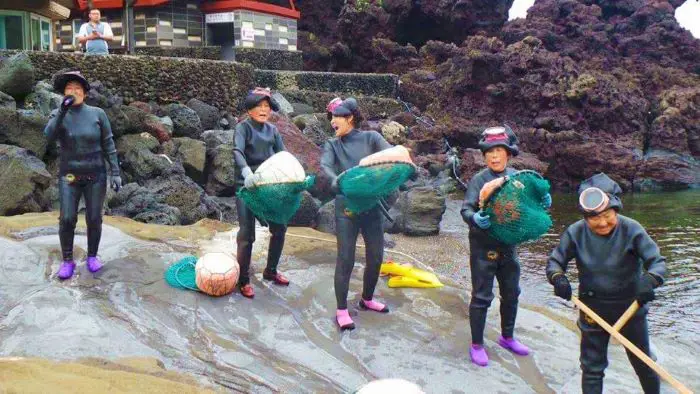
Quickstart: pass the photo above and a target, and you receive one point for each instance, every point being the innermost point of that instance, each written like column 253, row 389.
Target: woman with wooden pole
column 618, row 263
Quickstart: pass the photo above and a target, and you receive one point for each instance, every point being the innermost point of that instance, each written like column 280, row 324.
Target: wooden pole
column 626, row 316
column 632, row 348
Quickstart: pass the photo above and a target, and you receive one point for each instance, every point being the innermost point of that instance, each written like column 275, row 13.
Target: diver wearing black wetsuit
column 340, row 154
column 85, row 138
column 614, row 270
column 255, row 142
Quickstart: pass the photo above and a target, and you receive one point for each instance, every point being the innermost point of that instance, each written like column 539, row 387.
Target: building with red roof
column 54, row 24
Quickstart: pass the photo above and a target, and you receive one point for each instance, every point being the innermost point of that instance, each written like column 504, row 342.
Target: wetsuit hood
column 598, row 193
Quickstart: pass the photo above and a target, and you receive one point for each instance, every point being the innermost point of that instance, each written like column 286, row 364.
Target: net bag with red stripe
column 514, row 205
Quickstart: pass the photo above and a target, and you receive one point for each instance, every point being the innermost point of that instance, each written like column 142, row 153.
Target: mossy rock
column 17, row 76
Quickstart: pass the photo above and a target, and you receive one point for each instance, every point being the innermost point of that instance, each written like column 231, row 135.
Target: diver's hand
column 334, row 186
column 547, row 201
column 66, row 103
column 481, row 220
column 116, row 183
column 562, row 287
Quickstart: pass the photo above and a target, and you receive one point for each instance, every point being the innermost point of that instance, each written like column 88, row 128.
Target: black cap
column 61, row 80
column 257, row 95
column 346, row 108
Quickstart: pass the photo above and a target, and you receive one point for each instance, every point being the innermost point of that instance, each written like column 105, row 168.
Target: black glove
column 562, row 287
column 645, row 289
column 67, row 102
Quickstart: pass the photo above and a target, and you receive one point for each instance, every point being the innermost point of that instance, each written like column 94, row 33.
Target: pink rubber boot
column 373, row 306
column 342, row 317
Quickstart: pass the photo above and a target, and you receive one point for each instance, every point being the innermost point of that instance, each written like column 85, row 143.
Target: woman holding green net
column 340, row 154
column 255, row 141
column 490, row 258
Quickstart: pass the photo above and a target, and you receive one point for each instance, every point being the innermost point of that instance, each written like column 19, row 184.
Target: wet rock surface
column 284, row 339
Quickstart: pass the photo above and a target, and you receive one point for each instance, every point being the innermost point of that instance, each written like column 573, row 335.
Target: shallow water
column 672, row 220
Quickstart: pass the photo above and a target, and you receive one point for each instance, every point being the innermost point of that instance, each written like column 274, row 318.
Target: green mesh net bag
column 514, row 205
column 377, row 176
column 182, row 274
column 276, row 194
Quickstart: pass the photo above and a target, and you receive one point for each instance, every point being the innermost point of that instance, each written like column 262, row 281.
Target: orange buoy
column 217, row 273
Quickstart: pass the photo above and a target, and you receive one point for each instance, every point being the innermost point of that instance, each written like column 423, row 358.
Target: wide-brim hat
column 597, row 194
column 345, row 108
column 257, row 95
column 499, row 136
column 61, row 80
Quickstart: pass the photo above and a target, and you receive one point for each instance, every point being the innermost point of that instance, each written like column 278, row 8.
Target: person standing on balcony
column 95, row 34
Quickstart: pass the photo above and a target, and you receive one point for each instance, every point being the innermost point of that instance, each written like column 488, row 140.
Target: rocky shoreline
column 588, row 85
column 177, row 159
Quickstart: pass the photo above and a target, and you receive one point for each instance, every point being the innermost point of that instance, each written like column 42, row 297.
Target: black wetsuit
column 85, row 138
column 489, row 258
column 340, row 154
column 253, row 144
column 610, row 268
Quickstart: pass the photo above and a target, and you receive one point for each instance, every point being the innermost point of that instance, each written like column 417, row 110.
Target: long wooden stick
column 632, row 348
column 626, row 316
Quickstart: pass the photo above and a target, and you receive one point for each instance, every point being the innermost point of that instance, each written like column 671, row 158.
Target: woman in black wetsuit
column 339, row 154
column 255, row 141
column 85, row 139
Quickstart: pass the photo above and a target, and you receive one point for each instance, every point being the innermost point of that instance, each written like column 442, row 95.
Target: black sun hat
column 61, row 80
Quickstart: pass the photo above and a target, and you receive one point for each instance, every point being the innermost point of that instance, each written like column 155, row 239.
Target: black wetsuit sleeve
column 107, row 141
column 328, row 162
column 279, row 144
column 646, row 249
column 54, row 125
column 380, row 143
column 561, row 255
column 471, row 201
column 239, row 142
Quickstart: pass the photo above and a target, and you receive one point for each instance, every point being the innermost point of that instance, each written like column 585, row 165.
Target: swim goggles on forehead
column 261, row 91
column 495, row 134
column 593, row 200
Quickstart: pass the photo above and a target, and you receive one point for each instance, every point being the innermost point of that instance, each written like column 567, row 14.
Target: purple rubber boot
column 66, row 269
column 93, row 264
column 478, row 355
column 514, row 346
